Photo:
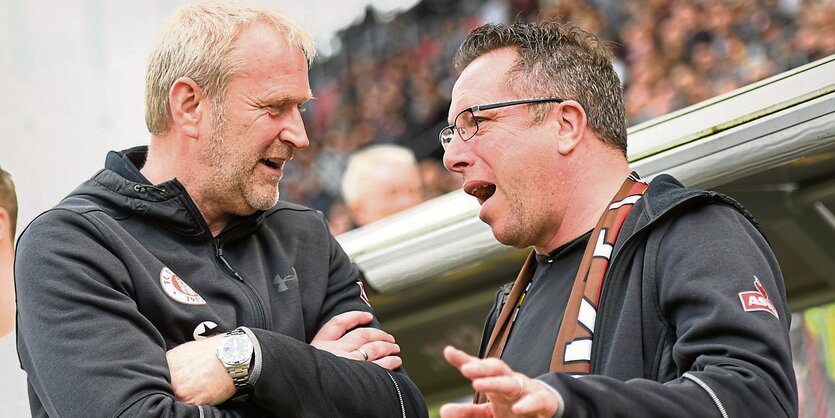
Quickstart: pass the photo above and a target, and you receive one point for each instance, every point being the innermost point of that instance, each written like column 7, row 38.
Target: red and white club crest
column 177, row 289
column 757, row 300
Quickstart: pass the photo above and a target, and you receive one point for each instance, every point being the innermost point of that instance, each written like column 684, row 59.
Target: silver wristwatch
column 235, row 353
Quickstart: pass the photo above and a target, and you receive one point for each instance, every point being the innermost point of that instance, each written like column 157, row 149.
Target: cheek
column 255, row 133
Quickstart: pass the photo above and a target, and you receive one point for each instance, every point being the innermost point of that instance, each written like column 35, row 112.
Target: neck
column 591, row 182
column 167, row 161
column 159, row 165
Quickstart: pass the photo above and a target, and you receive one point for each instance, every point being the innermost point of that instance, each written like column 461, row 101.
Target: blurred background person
column 8, row 220
column 13, row 399
column 381, row 180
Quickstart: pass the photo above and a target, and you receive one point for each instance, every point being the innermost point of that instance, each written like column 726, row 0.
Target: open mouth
column 274, row 164
column 483, row 192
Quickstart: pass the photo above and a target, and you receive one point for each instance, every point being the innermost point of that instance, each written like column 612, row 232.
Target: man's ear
column 186, row 102
column 572, row 125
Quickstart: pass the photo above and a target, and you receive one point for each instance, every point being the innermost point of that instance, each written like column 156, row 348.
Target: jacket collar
column 121, row 186
column 665, row 196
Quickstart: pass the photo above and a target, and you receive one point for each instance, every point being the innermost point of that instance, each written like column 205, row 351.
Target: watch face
column 235, row 349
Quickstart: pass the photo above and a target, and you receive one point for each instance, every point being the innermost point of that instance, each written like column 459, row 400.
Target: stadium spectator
column 8, row 220
column 380, row 181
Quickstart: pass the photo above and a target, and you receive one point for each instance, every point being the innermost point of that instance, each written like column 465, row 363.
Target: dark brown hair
column 558, row 59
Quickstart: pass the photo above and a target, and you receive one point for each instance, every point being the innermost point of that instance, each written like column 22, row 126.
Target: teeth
column 484, row 192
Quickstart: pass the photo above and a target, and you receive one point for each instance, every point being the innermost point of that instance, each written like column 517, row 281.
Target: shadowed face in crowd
column 394, row 188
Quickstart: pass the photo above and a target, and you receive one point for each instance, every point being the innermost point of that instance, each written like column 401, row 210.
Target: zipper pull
column 226, row 263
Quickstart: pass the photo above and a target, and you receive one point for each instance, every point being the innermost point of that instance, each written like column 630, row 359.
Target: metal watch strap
column 239, row 373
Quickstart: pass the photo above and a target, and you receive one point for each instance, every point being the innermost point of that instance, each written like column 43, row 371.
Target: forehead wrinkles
column 480, row 87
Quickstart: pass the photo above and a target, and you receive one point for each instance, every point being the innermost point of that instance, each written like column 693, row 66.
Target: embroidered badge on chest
column 177, row 289
column 757, row 300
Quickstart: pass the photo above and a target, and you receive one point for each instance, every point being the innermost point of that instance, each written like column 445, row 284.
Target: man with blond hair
column 381, row 180
column 175, row 283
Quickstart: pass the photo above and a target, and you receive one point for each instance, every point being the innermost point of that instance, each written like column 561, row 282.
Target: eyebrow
column 288, row 99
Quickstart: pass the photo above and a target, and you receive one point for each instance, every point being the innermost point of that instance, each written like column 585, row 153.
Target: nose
column 457, row 156
column 292, row 132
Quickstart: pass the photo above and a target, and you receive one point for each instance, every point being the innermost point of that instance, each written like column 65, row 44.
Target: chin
column 509, row 236
column 262, row 202
column 501, row 236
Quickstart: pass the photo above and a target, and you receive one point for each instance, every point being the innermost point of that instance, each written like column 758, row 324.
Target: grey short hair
column 558, row 59
column 362, row 165
column 196, row 42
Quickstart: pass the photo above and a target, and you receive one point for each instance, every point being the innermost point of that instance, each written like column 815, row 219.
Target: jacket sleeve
column 87, row 350
column 316, row 383
column 303, row 381
column 731, row 362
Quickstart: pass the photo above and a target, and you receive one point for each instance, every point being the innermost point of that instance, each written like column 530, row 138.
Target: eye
column 301, row 108
column 274, row 110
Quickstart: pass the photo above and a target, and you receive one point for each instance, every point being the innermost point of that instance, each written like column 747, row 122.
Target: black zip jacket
column 672, row 336
column 98, row 307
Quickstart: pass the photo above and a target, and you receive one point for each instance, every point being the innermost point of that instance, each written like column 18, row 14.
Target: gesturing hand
column 377, row 345
column 510, row 394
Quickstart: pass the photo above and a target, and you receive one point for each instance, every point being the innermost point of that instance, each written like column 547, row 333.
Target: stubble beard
column 518, row 226
column 232, row 180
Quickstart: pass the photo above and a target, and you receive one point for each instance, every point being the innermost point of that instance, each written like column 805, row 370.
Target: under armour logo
column 281, row 282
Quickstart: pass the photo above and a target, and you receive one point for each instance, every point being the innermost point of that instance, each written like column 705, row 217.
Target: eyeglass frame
column 489, row 106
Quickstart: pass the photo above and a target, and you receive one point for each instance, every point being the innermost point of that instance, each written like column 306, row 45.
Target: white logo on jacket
column 177, row 289
column 757, row 300
column 204, row 329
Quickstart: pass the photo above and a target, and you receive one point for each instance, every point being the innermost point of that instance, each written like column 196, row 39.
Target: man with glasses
column 638, row 299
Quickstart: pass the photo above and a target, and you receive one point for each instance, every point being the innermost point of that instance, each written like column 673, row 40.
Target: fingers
column 369, row 335
column 511, row 387
column 460, row 410
column 338, row 325
column 457, row 357
column 541, row 402
column 389, row 362
column 474, row 367
column 380, row 349
column 507, row 390
column 381, row 353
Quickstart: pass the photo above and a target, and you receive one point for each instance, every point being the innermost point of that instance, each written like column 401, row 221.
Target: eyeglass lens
column 466, row 125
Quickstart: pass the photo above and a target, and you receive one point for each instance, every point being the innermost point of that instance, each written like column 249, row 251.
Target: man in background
column 175, row 283
column 379, row 181
column 13, row 385
column 8, row 221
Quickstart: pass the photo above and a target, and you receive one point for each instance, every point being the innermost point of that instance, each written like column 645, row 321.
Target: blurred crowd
column 389, row 82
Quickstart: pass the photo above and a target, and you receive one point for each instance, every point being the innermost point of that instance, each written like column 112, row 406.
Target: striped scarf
column 572, row 351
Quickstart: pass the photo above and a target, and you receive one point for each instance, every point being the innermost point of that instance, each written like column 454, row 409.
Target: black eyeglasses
column 466, row 124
